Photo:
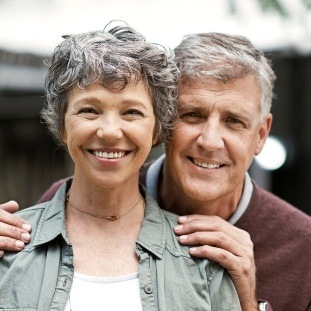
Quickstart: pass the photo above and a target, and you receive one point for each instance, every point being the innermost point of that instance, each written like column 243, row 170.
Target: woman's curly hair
column 113, row 57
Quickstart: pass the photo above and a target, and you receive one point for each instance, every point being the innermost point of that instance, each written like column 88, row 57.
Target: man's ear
column 263, row 133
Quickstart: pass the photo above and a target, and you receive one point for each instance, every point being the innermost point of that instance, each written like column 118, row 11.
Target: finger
column 219, row 240
column 9, row 244
column 8, row 231
column 237, row 266
column 221, row 256
column 194, row 223
column 11, row 206
column 13, row 220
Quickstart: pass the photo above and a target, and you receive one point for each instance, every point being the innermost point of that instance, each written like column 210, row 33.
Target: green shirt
column 40, row 276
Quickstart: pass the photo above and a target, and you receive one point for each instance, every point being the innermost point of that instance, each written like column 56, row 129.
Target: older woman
column 102, row 243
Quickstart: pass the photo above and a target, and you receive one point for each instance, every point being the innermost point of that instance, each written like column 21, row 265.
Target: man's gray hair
column 113, row 57
column 222, row 57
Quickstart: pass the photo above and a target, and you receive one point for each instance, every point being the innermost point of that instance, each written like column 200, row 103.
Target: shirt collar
column 153, row 232
column 152, row 183
column 245, row 199
column 52, row 222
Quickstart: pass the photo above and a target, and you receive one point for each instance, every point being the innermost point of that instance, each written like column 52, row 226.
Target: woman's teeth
column 109, row 155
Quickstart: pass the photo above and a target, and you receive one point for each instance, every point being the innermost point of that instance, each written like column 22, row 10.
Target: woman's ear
column 64, row 136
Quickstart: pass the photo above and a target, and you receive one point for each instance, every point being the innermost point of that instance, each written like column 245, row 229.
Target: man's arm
column 215, row 239
column 219, row 241
column 14, row 231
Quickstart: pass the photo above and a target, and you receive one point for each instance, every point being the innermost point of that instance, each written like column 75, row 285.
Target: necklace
column 111, row 218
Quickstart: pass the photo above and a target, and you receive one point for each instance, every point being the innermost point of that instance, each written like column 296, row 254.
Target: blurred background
column 29, row 30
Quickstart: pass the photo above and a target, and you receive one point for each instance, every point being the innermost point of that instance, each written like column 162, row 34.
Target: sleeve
column 267, row 307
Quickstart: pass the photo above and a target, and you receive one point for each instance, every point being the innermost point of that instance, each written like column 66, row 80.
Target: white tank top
column 104, row 293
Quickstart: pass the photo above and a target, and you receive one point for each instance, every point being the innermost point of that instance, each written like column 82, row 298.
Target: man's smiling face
column 219, row 131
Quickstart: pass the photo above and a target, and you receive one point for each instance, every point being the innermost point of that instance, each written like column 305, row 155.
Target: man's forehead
column 237, row 95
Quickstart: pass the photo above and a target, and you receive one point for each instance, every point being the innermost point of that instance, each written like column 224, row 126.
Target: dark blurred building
column 292, row 124
column 30, row 161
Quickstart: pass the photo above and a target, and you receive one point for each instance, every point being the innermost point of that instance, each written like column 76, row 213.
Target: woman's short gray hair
column 113, row 57
column 217, row 56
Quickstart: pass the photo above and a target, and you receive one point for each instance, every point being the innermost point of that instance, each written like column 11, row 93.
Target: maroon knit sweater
column 282, row 246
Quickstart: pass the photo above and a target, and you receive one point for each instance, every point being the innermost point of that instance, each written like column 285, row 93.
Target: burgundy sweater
column 282, row 247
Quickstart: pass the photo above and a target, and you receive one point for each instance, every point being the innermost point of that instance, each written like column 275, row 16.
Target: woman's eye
column 134, row 112
column 87, row 110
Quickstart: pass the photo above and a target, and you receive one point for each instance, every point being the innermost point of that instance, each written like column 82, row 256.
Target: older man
column 225, row 94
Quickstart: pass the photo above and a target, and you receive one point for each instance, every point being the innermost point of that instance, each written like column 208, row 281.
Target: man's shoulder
column 50, row 192
column 273, row 205
column 143, row 172
column 268, row 210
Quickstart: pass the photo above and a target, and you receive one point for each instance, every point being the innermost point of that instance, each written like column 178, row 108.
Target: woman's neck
column 103, row 201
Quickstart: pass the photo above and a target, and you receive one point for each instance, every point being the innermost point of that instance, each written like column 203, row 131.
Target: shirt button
column 148, row 289
column 65, row 282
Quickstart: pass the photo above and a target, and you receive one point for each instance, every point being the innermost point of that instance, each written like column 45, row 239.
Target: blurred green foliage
column 276, row 6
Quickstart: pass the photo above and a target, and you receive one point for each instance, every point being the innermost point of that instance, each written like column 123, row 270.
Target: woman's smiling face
column 109, row 132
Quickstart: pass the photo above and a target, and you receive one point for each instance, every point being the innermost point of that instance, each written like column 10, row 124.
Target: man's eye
column 191, row 116
column 236, row 123
column 233, row 120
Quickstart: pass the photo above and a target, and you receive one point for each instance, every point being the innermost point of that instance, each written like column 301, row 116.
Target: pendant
column 113, row 218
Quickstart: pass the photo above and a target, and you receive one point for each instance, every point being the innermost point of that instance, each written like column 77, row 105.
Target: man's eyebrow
column 192, row 107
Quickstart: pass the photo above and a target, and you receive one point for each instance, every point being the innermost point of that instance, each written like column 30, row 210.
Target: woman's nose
column 109, row 129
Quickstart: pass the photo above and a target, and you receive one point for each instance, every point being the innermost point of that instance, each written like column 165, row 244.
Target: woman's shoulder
column 33, row 213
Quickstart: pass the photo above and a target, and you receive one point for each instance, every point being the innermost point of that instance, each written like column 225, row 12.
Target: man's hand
column 14, row 231
column 217, row 240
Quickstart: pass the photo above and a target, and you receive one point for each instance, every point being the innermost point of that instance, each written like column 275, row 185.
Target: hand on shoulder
column 14, row 231
column 215, row 239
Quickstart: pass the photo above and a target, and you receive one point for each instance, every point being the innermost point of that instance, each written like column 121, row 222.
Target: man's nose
column 211, row 135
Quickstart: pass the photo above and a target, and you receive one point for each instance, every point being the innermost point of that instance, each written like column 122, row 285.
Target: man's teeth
column 205, row 165
column 109, row 155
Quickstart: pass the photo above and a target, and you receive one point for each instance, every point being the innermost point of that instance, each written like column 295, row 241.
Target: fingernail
column 26, row 227
column 25, row 237
column 183, row 237
column 179, row 227
column 20, row 244
column 193, row 249
column 182, row 218
column 1, row 253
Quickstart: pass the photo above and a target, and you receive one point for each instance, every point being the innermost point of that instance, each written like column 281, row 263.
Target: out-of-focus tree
column 277, row 6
